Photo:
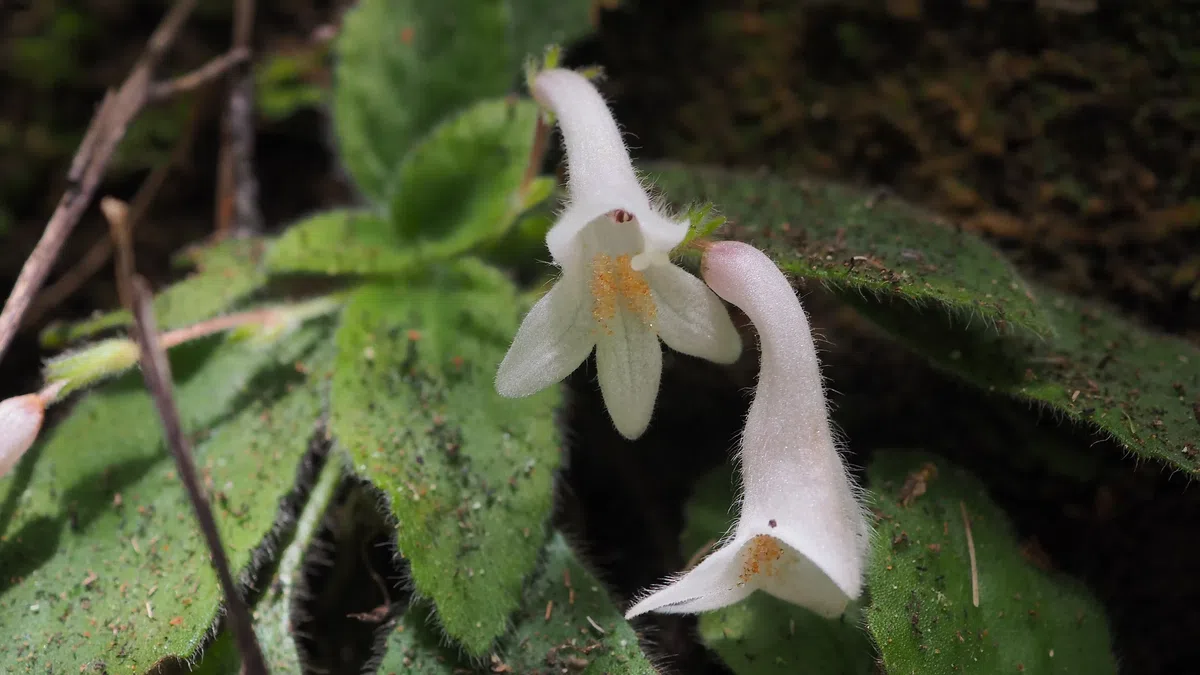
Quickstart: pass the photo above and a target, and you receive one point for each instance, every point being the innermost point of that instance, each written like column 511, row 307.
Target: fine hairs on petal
column 600, row 174
column 801, row 533
column 794, row 476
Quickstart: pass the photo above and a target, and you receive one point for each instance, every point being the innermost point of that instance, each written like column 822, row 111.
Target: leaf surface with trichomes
column 466, row 473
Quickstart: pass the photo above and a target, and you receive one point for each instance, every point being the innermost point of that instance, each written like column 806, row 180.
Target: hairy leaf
column 861, row 244
column 460, row 189
column 225, row 274
column 103, row 564
column 922, row 613
column 402, row 65
column 537, row 24
column 274, row 615
column 1141, row 388
column 466, row 473
column 405, row 65
column 464, row 184
column 566, row 621
column 763, row 635
column 341, row 242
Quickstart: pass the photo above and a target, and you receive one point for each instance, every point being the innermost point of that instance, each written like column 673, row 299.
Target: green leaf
column 341, row 242
column 466, row 473
column 585, row 632
column 402, row 65
column 463, row 185
column 103, row 564
column 859, row 244
column 1141, row 388
column 763, row 635
column 461, row 188
column 536, row 24
column 225, row 274
column 922, row 613
column 273, row 616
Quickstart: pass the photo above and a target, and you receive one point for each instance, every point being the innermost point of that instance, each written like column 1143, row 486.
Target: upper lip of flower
column 619, row 291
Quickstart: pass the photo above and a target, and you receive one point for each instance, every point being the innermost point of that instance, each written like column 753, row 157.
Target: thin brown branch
column 117, row 213
column 201, row 76
column 87, row 168
column 74, row 278
column 237, row 211
column 156, row 370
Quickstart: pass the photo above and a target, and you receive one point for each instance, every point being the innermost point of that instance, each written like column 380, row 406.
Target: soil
column 1064, row 131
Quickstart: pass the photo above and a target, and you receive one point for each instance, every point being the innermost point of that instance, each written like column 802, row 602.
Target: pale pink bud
column 20, row 421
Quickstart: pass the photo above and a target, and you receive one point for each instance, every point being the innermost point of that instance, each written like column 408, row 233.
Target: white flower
column 801, row 535
column 20, row 421
column 618, row 291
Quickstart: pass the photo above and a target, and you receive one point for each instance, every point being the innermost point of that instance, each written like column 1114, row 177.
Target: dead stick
column 237, row 211
column 157, row 372
column 200, row 76
column 117, row 213
column 95, row 258
column 87, row 168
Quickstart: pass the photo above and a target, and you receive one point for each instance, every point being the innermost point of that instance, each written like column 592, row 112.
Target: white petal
column 690, row 319
column 629, row 367
column 596, row 156
column 796, row 485
column 20, row 421
column 555, row 337
column 659, row 235
column 712, row 584
column 600, row 174
column 794, row 577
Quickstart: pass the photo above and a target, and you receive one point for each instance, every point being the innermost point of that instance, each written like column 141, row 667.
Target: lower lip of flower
column 616, row 284
column 762, row 553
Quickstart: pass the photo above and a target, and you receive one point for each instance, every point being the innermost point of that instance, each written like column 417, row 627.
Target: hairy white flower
column 801, row 534
column 618, row 292
column 20, row 421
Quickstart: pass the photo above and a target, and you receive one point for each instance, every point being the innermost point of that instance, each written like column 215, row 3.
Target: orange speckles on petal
column 764, row 551
column 604, row 289
column 634, row 290
column 615, row 280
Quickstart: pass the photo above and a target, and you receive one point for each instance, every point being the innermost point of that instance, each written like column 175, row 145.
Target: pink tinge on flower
column 20, row 420
column 618, row 293
column 801, row 534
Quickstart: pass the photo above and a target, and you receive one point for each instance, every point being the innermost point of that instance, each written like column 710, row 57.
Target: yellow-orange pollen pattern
column 764, row 552
column 614, row 280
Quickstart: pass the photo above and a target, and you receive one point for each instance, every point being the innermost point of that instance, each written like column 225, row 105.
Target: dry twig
column 104, row 134
column 237, row 187
column 96, row 257
column 200, row 76
column 156, row 370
